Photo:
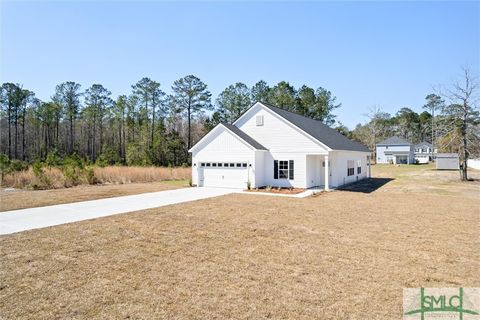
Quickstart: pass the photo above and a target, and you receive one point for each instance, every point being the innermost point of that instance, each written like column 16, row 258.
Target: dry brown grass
column 115, row 174
column 24, row 179
column 343, row 255
column 426, row 179
column 141, row 174
column 21, row 199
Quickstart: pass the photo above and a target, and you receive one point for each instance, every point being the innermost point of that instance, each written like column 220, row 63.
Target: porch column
column 369, row 164
column 327, row 175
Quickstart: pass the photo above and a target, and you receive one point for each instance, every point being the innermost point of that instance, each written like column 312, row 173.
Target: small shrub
column 44, row 182
column 71, row 174
column 190, row 182
column 90, row 176
column 53, row 159
column 5, row 166
column 108, row 158
column 268, row 188
column 249, row 185
column 18, row 165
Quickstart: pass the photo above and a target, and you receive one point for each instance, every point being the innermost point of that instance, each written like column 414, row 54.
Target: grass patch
column 21, row 199
column 67, row 176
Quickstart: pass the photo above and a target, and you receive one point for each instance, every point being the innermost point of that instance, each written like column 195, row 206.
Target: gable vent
column 260, row 120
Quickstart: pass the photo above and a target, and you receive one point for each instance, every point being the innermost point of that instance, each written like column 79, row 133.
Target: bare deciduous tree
column 462, row 114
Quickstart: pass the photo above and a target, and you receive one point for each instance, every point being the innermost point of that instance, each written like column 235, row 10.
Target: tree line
column 144, row 127
column 150, row 127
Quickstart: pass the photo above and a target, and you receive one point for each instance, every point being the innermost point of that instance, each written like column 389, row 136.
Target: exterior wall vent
column 260, row 120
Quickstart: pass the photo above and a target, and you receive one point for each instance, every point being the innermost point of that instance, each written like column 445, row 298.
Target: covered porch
column 398, row 157
column 318, row 171
column 327, row 171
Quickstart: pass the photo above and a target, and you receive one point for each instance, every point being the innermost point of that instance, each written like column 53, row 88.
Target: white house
column 423, row 152
column 271, row 146
column 395, row 150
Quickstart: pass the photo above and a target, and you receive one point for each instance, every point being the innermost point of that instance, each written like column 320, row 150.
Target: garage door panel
column 225, row 177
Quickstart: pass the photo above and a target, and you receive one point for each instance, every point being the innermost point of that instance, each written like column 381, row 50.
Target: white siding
column 299, row 170
column 222, row 146
column 314, row 171
column 338, row 163
column 275, row 134
column 382, row 158
column 259, row 169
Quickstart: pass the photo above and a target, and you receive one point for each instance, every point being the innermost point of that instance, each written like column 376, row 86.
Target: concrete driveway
column 34, row 218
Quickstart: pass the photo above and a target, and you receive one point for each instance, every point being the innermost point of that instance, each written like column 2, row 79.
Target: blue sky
column 389, row 54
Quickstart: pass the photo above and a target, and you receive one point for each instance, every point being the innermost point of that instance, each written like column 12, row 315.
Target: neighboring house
column 423, row 152
column 271, row 146
column 447, row 161
column 395, row 150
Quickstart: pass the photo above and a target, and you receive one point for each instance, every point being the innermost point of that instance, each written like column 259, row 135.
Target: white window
column 283, row 169
column 359, row 167
column 259, row 120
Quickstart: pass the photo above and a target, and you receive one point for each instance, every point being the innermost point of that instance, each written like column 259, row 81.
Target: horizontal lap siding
column 275, row 134
column 299, row 173
column 283, row 143
column 222, row 147
column 382, row 158
column 339, row 162
column 259, row 169
column 314, row 174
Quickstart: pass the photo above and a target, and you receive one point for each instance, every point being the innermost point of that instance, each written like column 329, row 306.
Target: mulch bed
column 278, row 190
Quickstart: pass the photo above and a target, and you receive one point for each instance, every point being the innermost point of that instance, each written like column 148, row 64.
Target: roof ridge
column 243, row 135
column 294, row 113
column 318, row 130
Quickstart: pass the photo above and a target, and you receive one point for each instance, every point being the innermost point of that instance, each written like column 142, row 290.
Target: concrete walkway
column 41, row 217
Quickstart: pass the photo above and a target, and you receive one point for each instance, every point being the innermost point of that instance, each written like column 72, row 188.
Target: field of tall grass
column 55, row 177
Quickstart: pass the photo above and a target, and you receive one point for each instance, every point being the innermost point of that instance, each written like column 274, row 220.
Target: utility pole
column 433, row 130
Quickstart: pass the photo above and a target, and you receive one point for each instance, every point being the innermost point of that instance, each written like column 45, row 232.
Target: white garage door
column 225, row 175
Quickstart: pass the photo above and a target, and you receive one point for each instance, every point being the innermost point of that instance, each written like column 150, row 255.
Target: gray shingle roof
column 245, row 137
column 320, row 131
column 394, row 141
column 447, row 155
column 424, row 143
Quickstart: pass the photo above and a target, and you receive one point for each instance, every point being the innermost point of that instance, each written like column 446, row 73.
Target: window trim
column 284, row 169
column 350, row 168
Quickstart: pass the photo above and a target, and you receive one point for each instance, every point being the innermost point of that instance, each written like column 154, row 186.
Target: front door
column 401, row 160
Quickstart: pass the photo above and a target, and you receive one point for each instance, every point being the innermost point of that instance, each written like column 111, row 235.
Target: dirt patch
column 21, row 199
